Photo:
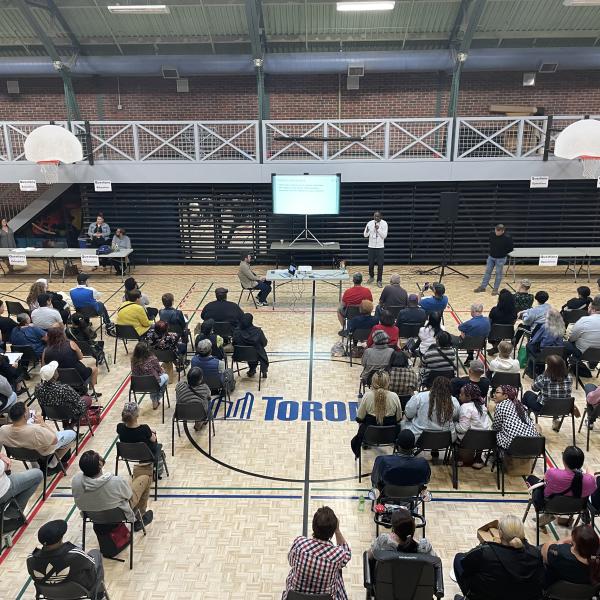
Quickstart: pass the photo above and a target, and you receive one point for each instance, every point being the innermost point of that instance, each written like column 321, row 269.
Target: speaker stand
column 443, row 266
column 305, row 232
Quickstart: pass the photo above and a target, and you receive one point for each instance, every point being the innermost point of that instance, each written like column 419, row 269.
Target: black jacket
column 500, row 245
column 496, row 572
column 413, row 315
column 222, row 310
column 253, row 336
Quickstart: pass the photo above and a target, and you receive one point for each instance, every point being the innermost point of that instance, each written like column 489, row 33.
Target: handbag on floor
column 112, row 538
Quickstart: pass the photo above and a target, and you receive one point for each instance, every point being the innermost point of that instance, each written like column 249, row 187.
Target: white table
column 69, row 254
column 571, row 253
column 48, row 254
column 330, row 276
column 13, row 357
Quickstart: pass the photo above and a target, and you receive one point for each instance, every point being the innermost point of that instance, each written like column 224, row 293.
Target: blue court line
column 434, row 499
column 208, row 496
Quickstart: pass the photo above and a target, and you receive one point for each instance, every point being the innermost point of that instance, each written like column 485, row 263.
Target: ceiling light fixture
column 139, row 9
column 581, row 2
column 365, row 6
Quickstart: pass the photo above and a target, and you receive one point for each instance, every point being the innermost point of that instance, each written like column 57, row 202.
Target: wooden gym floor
column 223, row 525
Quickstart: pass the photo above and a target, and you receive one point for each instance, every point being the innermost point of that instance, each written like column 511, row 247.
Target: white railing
column 392, row 140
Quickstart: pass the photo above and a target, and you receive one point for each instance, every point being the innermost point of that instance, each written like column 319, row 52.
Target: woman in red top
column 386, row 323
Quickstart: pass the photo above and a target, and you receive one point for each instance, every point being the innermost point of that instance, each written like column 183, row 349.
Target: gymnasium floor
column 223, row 526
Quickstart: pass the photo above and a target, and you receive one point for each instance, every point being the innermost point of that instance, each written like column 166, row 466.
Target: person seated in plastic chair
column 353, row 296
column 203, row 359
column 160, row 338
column 59, row 562
column 83, row 295
column 26, row 334
column 132, row 313
column 93, row 490
column 144, row 362
column 35, row 434
column 476, row 326
column 569, row 481
column 8, row 396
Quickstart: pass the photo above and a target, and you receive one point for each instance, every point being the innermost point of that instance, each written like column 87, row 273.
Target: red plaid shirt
column 317, row 568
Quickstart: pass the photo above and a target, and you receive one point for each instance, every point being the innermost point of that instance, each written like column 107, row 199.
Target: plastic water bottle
column 108, row 356
column 361, row 503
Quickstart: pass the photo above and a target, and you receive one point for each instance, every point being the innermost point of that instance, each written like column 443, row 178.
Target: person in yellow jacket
column 131, row 312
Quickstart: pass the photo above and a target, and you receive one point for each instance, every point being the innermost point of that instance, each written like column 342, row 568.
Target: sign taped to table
column 90, row 260
column 19, row 260
column 548, row 260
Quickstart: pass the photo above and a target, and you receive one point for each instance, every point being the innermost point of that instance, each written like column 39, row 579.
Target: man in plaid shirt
column 316, row 562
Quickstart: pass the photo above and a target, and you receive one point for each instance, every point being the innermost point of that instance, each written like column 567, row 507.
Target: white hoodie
column 504, row 365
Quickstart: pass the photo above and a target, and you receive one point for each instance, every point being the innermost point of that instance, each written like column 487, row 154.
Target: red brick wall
column 302, row 97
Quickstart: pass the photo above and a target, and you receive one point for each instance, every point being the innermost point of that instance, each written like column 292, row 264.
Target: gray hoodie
column 102, row 493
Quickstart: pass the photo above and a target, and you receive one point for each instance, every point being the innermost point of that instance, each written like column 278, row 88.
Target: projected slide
column 306, row 194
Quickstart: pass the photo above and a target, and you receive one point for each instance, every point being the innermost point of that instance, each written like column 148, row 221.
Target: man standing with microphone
column 501, row 245
column 376, row 230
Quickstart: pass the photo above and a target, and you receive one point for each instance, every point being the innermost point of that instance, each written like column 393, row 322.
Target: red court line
column 57, row 479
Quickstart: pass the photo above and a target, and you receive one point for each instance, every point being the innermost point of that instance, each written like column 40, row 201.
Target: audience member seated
column 84, row 295
column 35, row 291
column 14, row 375
column 365, row 320
column 131, row 432
column 533, row 317
column 248, row 334
column 353, row 296
column 592, row 399
column 436, row 303
column 26, row 334
column 38, row 435
column 131, row 284
column 194, row 391
column 8, row 396
column 523, row 299
column 173, row 316
column 510, row 417
column 512, row 568
column 204, row 360
column 580, row 302
column 20, row 486
column 222, row 309
column 392, row 295
column 251, row 281
column 144, row 362
column 475, row 375
column 429, row 332
column 207, row 333
column 386, row 324
column 58, row 302
column 439, row 357
column 550, row 334
column 93, row 490
column 472, row 414
column 413, row 314
column 160, row 338
column 51, row 393
column 82, row 330
column 59, row 562
column 476, row 326
column 316, row 563
column 436, row 409
column 569, row 481
column 379, row 406
column 554, row 382
column 403, row 468
column 404, row 380
column 6, row 323
column 45, row 316
column 378, row 356
column 68, row 356
column 401, row 538
column 586, row 334
column 504, row 362
column 131, row 312
column 504, row 313
column 574, row 559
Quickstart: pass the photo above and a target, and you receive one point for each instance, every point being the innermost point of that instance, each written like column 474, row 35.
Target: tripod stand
column 447, row 256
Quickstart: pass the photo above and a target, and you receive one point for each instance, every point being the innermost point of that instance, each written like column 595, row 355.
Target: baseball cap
column 406, row 439
column 47, row 371
column 477, row 366
column 52, row 532
column 221, row 290
column 413, row 298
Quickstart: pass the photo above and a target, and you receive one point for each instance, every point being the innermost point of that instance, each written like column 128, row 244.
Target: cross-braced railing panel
column 283, row 140
column 227, row 141
column 419, row 139
column 367, row 140
column 109, row 140
column 489, row 138
column 14, row 135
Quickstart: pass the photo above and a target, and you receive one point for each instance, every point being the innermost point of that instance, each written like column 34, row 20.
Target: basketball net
column 49, row 170
column 591, row 166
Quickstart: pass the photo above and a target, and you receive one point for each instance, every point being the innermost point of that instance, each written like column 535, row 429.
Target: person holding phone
column 376, row 230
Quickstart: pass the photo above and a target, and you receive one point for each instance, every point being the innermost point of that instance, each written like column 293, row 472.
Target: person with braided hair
column 510, row 417
column 472, row 414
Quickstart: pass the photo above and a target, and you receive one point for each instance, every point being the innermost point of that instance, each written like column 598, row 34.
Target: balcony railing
column 285, row 141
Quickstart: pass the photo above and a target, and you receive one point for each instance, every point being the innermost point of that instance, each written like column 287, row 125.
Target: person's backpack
column 104, row 250
column 112, row 539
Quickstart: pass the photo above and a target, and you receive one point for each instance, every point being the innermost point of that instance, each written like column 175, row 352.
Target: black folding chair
column 147, row 384
column 512, row 379
column 404, row 496
column 472, row 343
column 15, row 309
column 224, row 329
column 140, row 453
column 113, row 516
column 247, row 354
column 218, row 389
column 592, row 416
column 409, row 330
column 151, row 313
column 182, row 332
column 394, row 309
column 291, row 595
column 540, row 358
column 499, row 332
column 591, row 355
column 354, row 337
column 125, row 333
column 350, row 312
column 29, row 356
column 377, row 435
column 559, row 408
column 73, row 378
column 61, row 413
column 563, row 506
column 90, row 312
column 476, row 440
column 98, row 353
column 435, row 441
column 68, row 590
column 447, row 373
column 250, row 295
column 26, row 455
column 16, row 524
column 565, row 590
column 168, row 356
column 528, row 448
column 572, row 316
column 192, row 412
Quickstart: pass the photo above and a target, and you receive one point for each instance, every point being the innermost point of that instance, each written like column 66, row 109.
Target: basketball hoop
column 49, row 170
column 591, row 166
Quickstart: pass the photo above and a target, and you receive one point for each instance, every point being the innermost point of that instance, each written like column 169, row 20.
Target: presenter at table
column 376, row 230
column 501, row 245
